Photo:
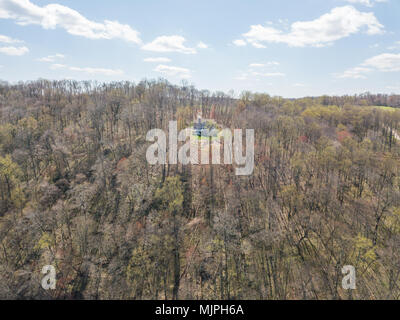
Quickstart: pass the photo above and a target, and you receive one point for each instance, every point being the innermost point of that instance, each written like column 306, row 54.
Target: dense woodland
column 77, row 192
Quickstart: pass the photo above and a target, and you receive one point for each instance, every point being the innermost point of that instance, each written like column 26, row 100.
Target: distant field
column 385, row 108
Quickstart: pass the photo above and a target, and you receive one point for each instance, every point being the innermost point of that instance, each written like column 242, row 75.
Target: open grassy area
column 385, row 108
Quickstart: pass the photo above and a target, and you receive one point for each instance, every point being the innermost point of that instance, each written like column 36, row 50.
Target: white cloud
column 386, row 62
column 169, row 44
column 258, row 75
column 269, row 74
column 262, row 65
column 56, row 66
column 243, row 76
column 103, row 71
column 54, row 15
column 93, row 71
column 394, row 88
column 256, row 65
column 299, row 85
column 368, row 3
column 395, row 46
column 52, row 58
column 14, row 51
column 354, row 73
column 258, row 45
column 239, row 43
column 8, row 40
column 339, row 23
column 202, row 45
column 157, row 60
column 173, row 71
column 252, row 74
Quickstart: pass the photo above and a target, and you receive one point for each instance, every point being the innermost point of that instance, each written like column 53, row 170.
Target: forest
column 77, row 192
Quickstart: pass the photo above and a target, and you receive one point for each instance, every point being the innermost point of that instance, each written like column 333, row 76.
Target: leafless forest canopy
column 77, row 192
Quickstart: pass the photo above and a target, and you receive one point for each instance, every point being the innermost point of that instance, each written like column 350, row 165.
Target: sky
column 288, row 48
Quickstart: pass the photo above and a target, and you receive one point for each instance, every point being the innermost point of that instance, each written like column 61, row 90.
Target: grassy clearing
column 385, row 108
